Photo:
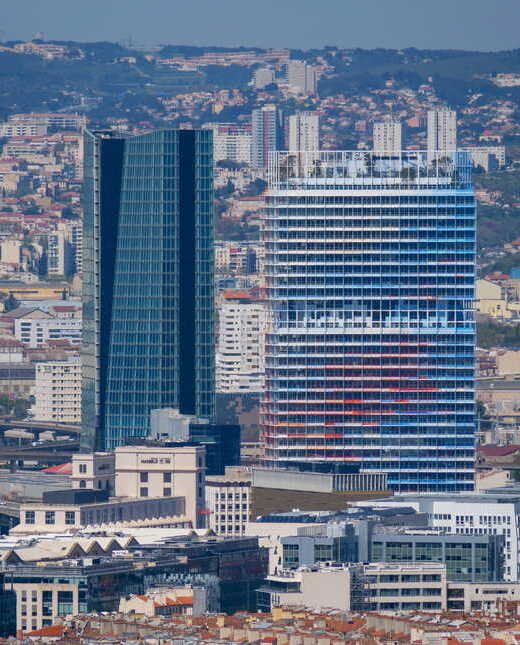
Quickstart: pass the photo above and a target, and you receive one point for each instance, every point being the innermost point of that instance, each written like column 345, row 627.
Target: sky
column 426, row 24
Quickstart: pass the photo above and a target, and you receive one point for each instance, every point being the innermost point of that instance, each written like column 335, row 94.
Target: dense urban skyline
column 305, row 24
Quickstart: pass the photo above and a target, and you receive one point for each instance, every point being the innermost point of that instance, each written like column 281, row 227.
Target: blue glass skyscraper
column 148, row 310
column 370, row 268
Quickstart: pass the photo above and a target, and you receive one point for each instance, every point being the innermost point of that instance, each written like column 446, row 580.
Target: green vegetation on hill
column 496, row 226
column 493, row 334
column 504, row 265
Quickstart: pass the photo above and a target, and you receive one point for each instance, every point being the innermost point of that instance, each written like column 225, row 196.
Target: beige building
column 11, row 251
column 508, row 363
column 53, row 516
column 148, row 471
column 174, row 601
column 406, row 586
column 491, row 299
column 94, row 470
column 228, row 499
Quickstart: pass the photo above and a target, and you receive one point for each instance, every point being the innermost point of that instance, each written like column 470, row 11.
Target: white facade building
column 304, row 131
column 76, row 239
column 22, row 130
column 35, row 332
column 57, row 392
column 387, row 136
column 301, row 77
column 228, row 499
column 442, row 130
column 240, row 348
column 60, row 254
column 231, row 142
column 263, row 77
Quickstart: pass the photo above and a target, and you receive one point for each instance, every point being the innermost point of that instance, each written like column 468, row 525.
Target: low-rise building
column 227, row 501
column 174, row 601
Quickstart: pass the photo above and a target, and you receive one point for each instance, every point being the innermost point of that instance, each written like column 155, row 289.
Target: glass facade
column 370, row 269
column 148, row 281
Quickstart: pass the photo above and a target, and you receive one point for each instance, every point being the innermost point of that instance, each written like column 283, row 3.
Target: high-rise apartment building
column 370, row 267
column 240, row 348
column 60, row 253
column 301, row 77
column 263, row 77
column 266, row 134
column 231, row 142
column 304, row 131
column 442, row 131
column 148, row 313
column 387, row 137
column 57, row 392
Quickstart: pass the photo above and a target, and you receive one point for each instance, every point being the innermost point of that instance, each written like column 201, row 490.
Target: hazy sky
column 461, row 24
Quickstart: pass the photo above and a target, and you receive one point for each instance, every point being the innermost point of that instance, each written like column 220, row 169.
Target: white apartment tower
column 387, row 136
column 442, row 130
column 304, row 131
column 263, row 77
column 301, row 77
column 57, row 392
column 240, row 349
column 60, row 254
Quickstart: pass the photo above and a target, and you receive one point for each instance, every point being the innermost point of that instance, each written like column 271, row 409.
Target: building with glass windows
column 370, row 268
column 148, row 313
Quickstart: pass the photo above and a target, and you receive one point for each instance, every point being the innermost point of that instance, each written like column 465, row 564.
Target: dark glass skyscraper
column 370, row 269
column 148, row 311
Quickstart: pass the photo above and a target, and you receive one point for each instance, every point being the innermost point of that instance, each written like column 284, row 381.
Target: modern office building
column 266, row 134
column 442, row 131
column 370, row 267
column 387, row 137
column 148, row 308
column 304, row 131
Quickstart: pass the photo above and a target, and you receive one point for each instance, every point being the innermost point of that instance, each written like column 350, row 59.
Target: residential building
column 240, row 344
column 304, row 131
column 441, row 132
column 57, row 392
column 55, row 120
column 266, row 134
column 11, row 251
column 387, row 137
column 365, row 309
column 9, row 129
column 60, row 254
column 262, row 77
column 163, row 472
column 301, row 77
column 175, row 601
column 36, row 332
column 228, row 499
column 76, row 240
column 148, row 309
column 489, row 158
column 231, row 142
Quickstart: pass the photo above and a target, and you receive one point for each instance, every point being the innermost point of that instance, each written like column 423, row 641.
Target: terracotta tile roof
column 52, row 630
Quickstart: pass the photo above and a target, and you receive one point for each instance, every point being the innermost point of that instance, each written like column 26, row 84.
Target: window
column 143, row 478
column 70, row 517
column 50, row 517
column 167, row 492
column 167, row 478
column 30, row 517
column 83, row 468
column 82, row 483
column 143, row 491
